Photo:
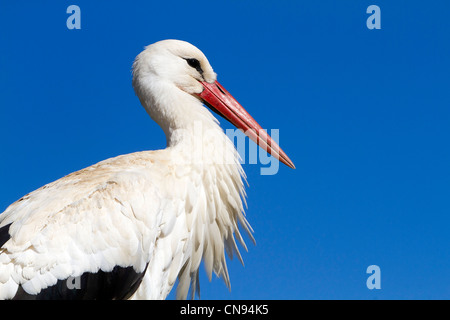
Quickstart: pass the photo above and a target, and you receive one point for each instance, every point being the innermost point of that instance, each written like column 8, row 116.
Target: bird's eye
column 194, row 63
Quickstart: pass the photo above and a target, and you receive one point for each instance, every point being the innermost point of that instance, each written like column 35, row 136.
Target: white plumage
column 155, row 214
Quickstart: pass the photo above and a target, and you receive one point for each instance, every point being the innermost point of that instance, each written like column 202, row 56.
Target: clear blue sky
column 364, row 114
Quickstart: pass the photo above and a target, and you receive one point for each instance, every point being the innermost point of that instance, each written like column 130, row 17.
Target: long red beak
column 220, row 100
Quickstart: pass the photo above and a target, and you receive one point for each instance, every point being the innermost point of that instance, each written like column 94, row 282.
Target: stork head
column 175, row 61
column 185, row 70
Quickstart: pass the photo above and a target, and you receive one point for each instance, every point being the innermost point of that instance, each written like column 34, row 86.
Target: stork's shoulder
column 117, row 189
column 112, row 174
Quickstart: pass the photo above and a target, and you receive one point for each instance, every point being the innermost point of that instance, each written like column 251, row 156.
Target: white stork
column 130, row 226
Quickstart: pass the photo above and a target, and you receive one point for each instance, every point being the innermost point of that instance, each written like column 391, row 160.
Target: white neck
column 195, row 138
column 188, row 125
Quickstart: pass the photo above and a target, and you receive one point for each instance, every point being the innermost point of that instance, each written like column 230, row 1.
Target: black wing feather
column 117, row 284
column 4, row 234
